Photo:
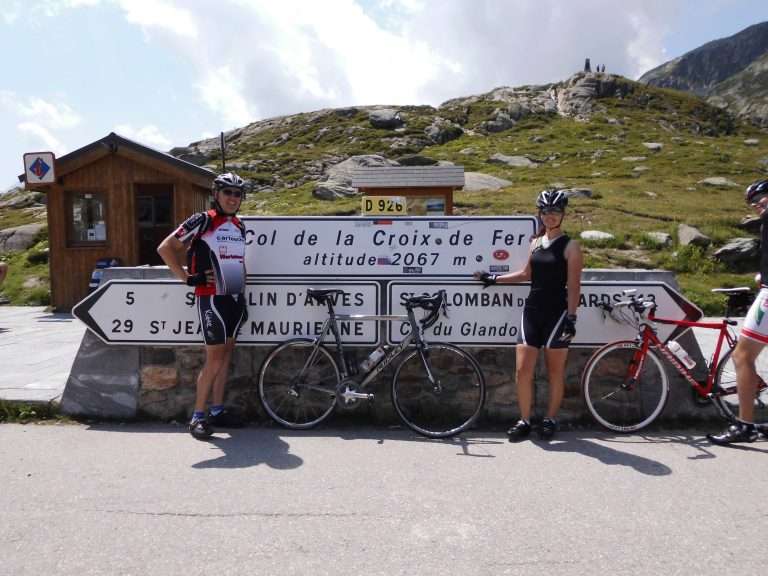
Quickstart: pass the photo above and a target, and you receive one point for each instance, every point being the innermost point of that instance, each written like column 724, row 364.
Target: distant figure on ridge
column 587, row 66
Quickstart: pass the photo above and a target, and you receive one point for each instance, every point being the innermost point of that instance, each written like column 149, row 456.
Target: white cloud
column 222, row 92
column 262, row 58
column 149, row 135
column 162, row 15
column 38, row 121
column 42, row 134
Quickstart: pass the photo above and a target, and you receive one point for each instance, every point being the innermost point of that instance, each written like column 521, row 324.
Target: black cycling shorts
column 542, row 328
column 221, row 316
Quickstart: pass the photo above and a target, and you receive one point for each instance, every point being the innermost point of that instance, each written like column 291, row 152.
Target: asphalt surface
column 148, row 499
column 37, row 349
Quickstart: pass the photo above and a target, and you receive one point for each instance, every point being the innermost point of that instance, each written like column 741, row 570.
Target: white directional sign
column 491, row 316
column 39, row 168
column 164, row 312
column 447, row 246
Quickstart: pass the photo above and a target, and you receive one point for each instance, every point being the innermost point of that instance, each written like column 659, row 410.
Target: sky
column 169, row 72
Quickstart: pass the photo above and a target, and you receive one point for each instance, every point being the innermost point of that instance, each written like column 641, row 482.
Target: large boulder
column 477, row 181
column 513, row 161
column 739, row 251
column 500, row 123
column 661, row 239
column 386, row 118
column 596, row 235
column 338, row 181
column 442, row 131
column 416, row 160
column 20, row 237
column 688, row 235
column 718, row 182
column 20, row 198
column 576, row 97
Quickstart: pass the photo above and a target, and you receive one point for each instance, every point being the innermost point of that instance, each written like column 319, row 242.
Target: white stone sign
column 491, row 316
column 164, row 312
column 447, row 246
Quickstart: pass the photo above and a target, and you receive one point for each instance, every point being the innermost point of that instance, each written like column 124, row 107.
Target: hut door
column 154, row 210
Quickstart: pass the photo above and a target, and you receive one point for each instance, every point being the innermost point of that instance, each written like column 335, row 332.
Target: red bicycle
column 625, row 383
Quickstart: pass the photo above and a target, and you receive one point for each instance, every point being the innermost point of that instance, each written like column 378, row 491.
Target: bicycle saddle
column 321, row 296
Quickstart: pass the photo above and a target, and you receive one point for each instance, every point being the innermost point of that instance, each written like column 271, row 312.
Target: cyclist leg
column 754, row 337
column 744, row 356
column 556, row 354
column 556, row 359
column 525, row 357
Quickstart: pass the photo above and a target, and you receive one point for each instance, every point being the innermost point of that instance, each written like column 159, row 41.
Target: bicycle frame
column 647, row 334
column 331, row 326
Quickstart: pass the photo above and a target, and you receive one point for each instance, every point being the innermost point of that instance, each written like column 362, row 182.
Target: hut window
column 88, row 218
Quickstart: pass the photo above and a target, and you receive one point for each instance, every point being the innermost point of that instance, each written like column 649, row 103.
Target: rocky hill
column 730, row 72
column 656, row 174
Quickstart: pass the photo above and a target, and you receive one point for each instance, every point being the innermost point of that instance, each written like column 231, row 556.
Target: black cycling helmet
column 755, row 190
column 552, row 199
column 226, row 180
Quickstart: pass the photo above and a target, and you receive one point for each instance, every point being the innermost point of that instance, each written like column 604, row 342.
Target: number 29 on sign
column 392, row 205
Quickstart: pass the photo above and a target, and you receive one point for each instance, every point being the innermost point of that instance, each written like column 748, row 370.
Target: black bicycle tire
column 270, row 410
column 467, row 422
column 586, row 379
column 722, row 399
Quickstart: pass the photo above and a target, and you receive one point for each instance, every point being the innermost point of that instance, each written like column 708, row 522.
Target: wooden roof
column 113, row 143
column 408, row 177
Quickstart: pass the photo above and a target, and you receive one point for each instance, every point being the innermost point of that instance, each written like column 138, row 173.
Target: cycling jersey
column 547, row 303
column 218, row 244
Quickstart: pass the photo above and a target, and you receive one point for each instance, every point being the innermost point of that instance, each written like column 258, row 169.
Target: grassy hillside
column 587, row 150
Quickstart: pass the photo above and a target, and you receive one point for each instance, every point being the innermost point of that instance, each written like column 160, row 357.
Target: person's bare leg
column 525, row 365
column 744, row 356
column 556, row 360
column 220, row 382
column 215, row 356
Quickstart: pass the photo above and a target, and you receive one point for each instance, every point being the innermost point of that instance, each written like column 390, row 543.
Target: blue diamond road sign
column 40, row 168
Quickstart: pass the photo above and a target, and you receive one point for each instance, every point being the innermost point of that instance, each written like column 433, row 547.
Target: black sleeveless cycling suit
column 547, row 303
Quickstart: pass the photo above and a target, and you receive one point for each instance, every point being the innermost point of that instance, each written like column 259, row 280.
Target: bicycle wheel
column 449, row 406
column 614, row 401
column 294, row 399
column 725, row 387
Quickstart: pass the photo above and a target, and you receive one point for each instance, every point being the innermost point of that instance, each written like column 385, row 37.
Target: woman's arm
column 575, row 264
column 522, row 275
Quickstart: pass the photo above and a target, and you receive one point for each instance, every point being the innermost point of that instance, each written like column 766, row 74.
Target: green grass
column 24, row 412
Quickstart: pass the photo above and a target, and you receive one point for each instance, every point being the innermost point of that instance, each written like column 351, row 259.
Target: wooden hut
column 115, row 198
column 428, row 189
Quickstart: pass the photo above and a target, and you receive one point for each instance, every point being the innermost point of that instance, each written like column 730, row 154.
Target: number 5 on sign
column 389, row 205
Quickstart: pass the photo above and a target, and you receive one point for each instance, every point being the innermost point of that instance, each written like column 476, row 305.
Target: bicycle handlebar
column 434, row 304
column 638, row 305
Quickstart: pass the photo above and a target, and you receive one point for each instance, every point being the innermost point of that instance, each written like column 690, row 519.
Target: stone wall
column 159, row 382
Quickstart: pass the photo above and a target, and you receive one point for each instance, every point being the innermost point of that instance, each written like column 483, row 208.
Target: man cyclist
column 754, row 333
column 214, row 242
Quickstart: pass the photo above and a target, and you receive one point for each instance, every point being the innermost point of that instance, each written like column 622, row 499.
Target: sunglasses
column 546, row 211
column 232, row 192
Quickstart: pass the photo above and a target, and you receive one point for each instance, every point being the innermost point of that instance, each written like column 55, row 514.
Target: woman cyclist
column 549, row 315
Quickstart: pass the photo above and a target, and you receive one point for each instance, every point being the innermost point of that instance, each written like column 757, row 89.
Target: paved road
column 148, row 499
column 37, row 349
